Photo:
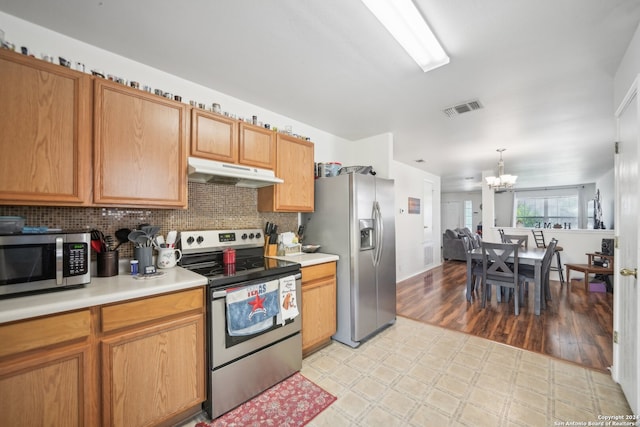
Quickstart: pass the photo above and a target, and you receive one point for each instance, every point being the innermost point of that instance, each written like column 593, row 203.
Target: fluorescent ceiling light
column 402, row 19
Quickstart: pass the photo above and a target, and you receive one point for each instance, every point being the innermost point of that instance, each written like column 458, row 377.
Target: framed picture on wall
column 414, row 205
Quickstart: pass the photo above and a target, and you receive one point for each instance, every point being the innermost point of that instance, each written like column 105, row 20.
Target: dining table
column 530, row 256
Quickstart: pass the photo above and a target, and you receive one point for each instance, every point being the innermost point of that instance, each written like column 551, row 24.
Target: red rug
column 292, row 402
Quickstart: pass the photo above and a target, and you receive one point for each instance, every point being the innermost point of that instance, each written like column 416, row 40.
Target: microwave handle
column 59, row 260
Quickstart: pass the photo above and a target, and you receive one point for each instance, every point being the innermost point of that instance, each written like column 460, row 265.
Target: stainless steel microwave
column 39, row 262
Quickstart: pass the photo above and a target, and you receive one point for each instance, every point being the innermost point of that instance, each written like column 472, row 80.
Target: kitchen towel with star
column 251, row 309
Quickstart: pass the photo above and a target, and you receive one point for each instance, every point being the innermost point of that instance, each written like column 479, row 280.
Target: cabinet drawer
column 144, row 310
column 318, row 271
column 44, row 331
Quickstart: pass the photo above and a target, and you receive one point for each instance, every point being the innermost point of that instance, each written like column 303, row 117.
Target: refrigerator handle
column 379, row 232
column 376, row 232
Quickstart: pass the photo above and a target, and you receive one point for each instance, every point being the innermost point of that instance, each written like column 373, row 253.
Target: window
column 547, row 211
column 468, row 214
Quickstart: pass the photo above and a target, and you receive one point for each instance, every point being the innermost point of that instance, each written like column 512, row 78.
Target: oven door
column 226, row 348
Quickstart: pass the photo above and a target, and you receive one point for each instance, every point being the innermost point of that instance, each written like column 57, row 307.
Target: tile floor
column 414, row 374
column 421, row 375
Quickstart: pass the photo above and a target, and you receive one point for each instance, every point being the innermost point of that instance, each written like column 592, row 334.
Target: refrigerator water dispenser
column 366, row 234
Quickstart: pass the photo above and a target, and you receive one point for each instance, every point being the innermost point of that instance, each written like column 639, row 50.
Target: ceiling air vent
column 462, row 108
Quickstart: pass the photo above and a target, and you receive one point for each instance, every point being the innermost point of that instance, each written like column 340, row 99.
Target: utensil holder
column 107, row 263
column 144, row 255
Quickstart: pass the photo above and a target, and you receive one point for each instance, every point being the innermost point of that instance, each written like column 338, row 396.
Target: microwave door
column 26, row 263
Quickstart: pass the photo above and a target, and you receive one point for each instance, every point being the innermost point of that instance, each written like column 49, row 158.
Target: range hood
column 210, row 171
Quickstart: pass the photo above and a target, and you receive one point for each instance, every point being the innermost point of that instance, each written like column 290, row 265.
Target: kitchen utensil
column 159, row 242
column 143, row 240
column 96, row 235
column 133, row 236
column 95, row 245
column 151, row 230
column 122, row 235
column 108, row 243
column 171, row 238
column 273, row 235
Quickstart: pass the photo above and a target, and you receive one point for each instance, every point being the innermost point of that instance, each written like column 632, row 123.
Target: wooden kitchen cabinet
column 140, row 148
column 153, row 359
column 45, row 140
column 213, row 136
column 133, row 363
column 318, row 306
column 224, row 139
column 47, row 371
column 294, row 164
column 257, row 146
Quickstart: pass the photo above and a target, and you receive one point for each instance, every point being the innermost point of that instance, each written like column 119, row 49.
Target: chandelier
column 502, row 181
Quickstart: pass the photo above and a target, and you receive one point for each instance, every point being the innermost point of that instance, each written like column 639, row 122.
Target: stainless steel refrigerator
column 354, row 219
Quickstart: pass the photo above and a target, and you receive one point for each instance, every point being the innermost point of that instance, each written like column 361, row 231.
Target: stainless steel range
column 253, row 325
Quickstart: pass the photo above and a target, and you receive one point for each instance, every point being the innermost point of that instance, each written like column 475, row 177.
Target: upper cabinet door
column 45, row 133
column 294, row 164
column 214, row 136
column 257, row 146
column 140, row 148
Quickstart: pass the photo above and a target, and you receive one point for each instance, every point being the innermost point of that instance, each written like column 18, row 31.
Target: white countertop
column 305, row 259
column 101, row 290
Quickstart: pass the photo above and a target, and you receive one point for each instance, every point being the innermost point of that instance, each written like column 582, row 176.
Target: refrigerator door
column 364, row 304
column 386, row 266
column 331, row 227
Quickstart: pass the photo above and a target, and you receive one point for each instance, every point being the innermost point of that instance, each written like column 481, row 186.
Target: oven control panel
column 214, row 240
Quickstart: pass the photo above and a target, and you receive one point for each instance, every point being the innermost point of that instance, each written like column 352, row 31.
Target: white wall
column 375, row 151
column 606, row 185
column 460, row 197
column 628, row 70
column 410, row 251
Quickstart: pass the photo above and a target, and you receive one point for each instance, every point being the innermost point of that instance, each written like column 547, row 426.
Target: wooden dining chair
column 527, row 273
column 497, row 271
column 520, row 240
column 538, row 236
column 476, row 266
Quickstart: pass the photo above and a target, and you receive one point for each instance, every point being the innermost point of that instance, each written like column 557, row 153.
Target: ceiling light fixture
column 403, row 20
column 502, row 181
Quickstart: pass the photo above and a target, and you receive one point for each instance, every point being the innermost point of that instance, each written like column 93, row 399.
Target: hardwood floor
column 577, row 325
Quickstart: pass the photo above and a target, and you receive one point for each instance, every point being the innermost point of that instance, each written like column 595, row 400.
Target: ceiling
column 542, row 70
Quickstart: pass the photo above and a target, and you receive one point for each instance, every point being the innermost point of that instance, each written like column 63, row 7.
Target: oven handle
column 223, row 293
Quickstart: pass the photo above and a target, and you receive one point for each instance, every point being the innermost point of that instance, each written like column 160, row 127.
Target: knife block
column 270, row 250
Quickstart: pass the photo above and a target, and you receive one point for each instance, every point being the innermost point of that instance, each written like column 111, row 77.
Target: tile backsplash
column 211, row 206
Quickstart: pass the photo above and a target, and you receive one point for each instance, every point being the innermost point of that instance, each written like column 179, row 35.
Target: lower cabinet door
column 46, row 389
column 318, row 313
column 152, row 374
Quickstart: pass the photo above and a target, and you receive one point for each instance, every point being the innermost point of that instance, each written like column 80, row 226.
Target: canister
column 322, row 170
column 229, row 256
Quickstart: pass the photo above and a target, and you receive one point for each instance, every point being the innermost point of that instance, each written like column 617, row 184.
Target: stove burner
column 226, row 270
